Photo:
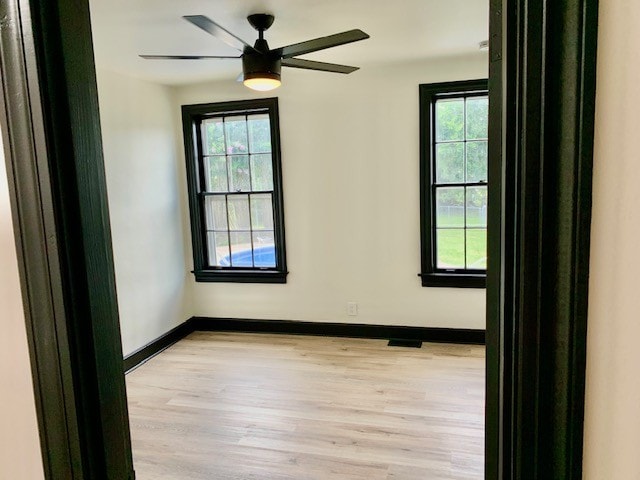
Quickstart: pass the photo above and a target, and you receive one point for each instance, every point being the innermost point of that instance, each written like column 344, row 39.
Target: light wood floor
column 227, row 406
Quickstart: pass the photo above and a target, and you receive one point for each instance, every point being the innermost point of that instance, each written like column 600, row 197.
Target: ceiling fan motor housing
column 261, row 65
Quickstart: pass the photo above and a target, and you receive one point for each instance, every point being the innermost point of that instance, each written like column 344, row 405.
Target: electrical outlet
column 352, row 309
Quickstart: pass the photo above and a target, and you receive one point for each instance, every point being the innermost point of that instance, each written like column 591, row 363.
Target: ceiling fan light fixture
column 262, row 82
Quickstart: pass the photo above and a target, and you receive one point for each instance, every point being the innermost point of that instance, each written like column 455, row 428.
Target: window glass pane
column 213, row 136
column 239, row 173
column 236, row 135
column 241, row 255
column 477, row 117
column 264, row 250
column 476, row 206
column 238, row 212
column 477, row 249
column 262, row 172
column 216, row 212
column 450, row 207
column 218, row 249
column 450, row 162
column 261, row 212
column 450, row 120
column 259, row 133
column 215, row 174
column 476, row 161
column 450, row 248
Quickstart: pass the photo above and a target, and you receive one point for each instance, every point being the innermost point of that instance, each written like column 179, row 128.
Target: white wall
column 19, row 441
column 350, row 154
column 144, row 187
column 612, row 420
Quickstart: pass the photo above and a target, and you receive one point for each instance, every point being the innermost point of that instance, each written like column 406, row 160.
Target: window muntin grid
column 237, row 191
column 459, row 179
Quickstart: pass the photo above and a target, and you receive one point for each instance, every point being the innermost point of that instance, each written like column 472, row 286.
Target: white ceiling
column 400, row 30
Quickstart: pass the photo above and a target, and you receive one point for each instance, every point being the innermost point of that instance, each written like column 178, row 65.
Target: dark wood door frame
column 542, row 89
column 53, row 151
column 542, row 104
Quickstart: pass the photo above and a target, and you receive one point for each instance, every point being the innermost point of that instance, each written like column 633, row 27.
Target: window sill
column 455, row 280
column 240, row 276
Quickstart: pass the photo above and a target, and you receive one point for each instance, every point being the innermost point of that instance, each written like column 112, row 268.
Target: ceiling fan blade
column 184, row 57
column 211, row 27
column 321, row 43
column 322, row 66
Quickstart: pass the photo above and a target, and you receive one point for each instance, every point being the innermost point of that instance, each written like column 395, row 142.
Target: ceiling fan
column 260, row 64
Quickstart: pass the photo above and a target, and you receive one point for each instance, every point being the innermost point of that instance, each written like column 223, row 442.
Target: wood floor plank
column 234, row 406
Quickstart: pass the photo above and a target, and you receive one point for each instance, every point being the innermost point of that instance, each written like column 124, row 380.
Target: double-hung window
column 453, row 131
column 235, row 191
